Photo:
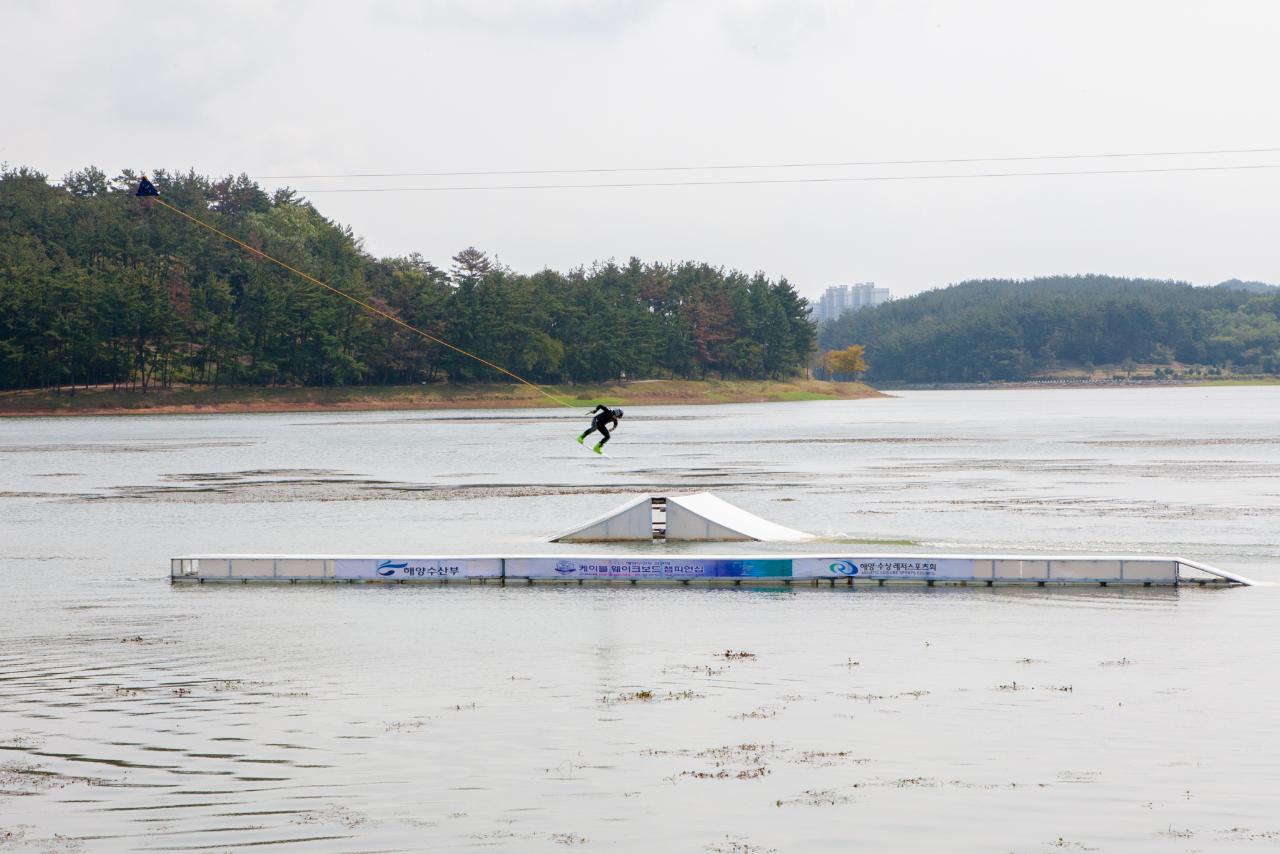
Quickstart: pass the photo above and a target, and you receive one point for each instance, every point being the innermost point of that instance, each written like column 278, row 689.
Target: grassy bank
column 1075, row 382
column 206, row 400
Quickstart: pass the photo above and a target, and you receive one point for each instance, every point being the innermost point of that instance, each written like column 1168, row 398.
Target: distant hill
column 1000, row 329
column 1248, row 287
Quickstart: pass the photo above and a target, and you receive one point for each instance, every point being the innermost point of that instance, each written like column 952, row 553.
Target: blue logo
column 844, row 567
column 389, row 567
column 565, row 567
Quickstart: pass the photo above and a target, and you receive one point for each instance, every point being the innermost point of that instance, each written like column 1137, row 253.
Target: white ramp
column 631, row 521
column 703, row 516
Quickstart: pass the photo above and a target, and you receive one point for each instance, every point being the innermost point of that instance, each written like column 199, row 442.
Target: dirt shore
column 189, row 401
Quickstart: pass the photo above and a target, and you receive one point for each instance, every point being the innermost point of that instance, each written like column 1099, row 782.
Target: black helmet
column 617, row 413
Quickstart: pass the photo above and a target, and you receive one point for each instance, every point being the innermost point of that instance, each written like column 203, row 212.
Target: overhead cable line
column 147, row 189
column 836, row 179
column 730, row 167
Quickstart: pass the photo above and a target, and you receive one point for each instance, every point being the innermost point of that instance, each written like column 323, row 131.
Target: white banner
column 651, row 568
column 903, row 566
column 670, row 568
column 392, row 569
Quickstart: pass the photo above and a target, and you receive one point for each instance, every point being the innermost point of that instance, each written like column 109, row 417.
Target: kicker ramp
column 707, row 518
column 700, row 518
column 632, row 521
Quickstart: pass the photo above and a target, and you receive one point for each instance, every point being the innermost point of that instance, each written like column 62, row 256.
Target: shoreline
column 207, row 401
column 1080, row 384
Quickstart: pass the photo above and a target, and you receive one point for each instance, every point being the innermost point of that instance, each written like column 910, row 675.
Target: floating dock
column 701, row 517
column 810, row 570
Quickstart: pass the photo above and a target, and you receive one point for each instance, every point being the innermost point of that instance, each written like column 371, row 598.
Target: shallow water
column 139, row 716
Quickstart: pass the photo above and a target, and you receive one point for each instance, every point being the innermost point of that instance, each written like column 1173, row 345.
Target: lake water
column 135, row 715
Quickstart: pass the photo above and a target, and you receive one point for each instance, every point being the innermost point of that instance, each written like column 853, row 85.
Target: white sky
column 324, row 87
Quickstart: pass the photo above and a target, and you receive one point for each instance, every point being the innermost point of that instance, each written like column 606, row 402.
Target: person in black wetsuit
column 604, row 416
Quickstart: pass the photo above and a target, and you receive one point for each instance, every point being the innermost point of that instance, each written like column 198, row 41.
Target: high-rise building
column 841, row 298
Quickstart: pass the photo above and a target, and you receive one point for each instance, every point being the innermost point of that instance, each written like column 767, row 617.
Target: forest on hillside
column 98, row 287
column 1000, row 329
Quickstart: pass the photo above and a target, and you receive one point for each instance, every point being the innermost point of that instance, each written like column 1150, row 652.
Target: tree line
column 98, row 287
column 1000, row 329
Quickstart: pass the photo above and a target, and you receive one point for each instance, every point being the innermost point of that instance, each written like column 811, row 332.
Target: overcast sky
column 295, row 88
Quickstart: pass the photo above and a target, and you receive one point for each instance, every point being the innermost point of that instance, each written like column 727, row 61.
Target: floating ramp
column 701, row 517
column 637, row 519
column 707, row 518
column 814, row 570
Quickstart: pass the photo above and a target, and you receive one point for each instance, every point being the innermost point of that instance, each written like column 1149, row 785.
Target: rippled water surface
column 135, row 715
